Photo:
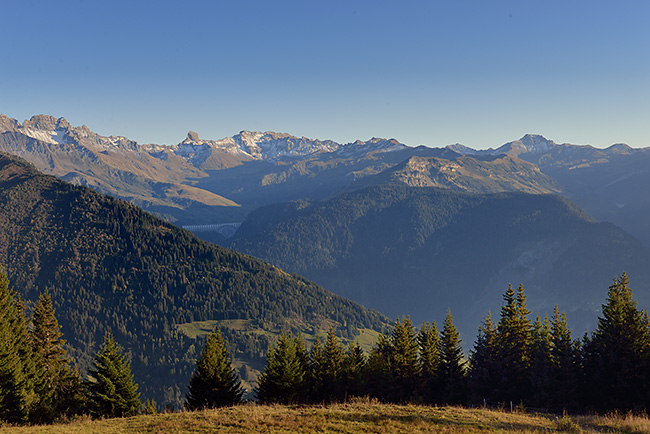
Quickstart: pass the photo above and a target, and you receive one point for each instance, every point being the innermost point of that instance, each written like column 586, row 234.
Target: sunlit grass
column 357, row 416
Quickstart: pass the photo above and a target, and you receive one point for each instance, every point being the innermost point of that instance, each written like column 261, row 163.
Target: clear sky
column 480, row 73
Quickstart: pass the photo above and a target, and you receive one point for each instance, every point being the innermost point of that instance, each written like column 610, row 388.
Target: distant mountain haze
column 612, row 184
column 419, row 251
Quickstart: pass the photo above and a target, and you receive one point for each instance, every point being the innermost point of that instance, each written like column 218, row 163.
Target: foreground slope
column 357, row 416
column 110, row 266
column 419, row 251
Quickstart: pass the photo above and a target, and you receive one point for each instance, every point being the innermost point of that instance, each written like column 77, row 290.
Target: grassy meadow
column 357, row 416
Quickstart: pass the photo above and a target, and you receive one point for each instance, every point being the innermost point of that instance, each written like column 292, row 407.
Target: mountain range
column 206, row 182
column 612, row 184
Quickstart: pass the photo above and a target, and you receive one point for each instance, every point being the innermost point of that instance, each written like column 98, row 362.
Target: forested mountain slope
column 419, row 251
column 110, row 266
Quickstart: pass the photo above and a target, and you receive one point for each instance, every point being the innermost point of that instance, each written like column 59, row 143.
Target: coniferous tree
column 17, row 374
column 566, row 364
column 514, row 347
column 110, row 387
column 283, row 379
column 58, row 385
column 379, row 369
column 616, row 357
column 354, row 368
column 404, row 360
column 333, row 386
column 484, row 363
column 429, row 360
column 541, row 365
column 451, row 370
column 215, row 382
column 316, row 371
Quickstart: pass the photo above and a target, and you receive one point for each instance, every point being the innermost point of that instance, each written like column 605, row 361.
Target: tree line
column 514, row 361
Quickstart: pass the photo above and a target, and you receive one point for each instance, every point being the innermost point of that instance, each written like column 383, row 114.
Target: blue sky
column 480, row 73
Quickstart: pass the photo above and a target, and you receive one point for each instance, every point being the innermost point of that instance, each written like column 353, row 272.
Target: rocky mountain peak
column 464, row 150
column 620, row 148
column 46, row 123
column 193, row 136
column 536, row 143
column 530, row 143
column 7, row 123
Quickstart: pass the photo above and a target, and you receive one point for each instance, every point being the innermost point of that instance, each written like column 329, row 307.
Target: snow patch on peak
column 52, row 137
column 273, row 146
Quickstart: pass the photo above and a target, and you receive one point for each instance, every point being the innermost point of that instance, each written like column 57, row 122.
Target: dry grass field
column 358, row 416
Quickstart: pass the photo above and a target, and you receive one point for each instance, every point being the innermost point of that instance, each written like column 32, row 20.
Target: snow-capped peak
column 272, row 146
column 52, row 137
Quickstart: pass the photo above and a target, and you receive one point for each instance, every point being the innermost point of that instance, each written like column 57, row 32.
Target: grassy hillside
column 354, row 417
column 420, row 251
column 110, row 266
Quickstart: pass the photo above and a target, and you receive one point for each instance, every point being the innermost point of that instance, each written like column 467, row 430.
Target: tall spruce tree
column 514, row 347
column 354, row 367
column 16, row 360
column 215, row 382
column 58, row 385
column 327, row 370
column 283, row 379
column 316, row 372
column 541, row 365
column 428, row 362
column 616, row 357
column 404, row 360
column 334, row 389
column 566, row 364
column 110, row 387
column 451, row 370
column 379, row 369
column 484, row 364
